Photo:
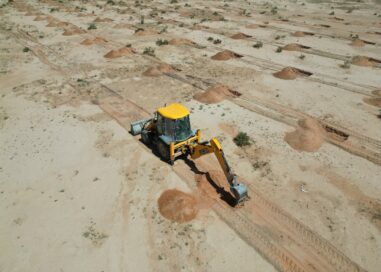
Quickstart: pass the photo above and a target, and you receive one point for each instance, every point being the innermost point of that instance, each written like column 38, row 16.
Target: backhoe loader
column 169, row 132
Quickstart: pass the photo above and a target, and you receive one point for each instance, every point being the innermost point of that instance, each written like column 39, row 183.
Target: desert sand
column 78, row 192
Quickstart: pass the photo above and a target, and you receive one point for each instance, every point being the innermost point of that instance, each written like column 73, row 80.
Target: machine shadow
column 224, row 195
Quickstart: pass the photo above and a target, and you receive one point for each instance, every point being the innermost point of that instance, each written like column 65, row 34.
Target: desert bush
column 242, row 139
column 279, row 49
column 92, row 26
column 26, row 49
column 217, row 41
column 149, row 51
column 161, row 42
column 259, row 44
column 302, row 57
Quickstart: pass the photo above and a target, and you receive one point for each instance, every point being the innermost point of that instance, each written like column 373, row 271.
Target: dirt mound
column 215, row 94
column 308, row 136
column 180, row 42
column 52, row 23
column 252, row 26
column 292, row 47
column 376, row 92
column 226, row 55
column 287, row 73
column 63, row 24
column 376, row 101
column 102, row 20
column 163, row 68
column 124, row 51
column 177, row 206
column 362, row 61
column 357, row 43
column 239, row 36
column 199, row 27
column 40, row 18
column 96, row 40
column 145, row 32
column 75, row 31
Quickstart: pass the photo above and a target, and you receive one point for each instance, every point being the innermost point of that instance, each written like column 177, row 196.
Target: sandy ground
column 79, row 193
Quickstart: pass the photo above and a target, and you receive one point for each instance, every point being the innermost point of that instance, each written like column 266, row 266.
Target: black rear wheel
column 163, row 150
column 146, row 139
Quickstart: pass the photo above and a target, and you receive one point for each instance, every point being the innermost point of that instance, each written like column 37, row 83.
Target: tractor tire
column 146, row 139
column 163, row 150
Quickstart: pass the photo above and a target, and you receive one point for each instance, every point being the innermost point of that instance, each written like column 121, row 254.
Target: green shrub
column 217, row 41
column 279, row 49
column 161, row 42
column 259, row 44
column 92, row 26
column 242, row 139
column 26, row 49
column 149, row 51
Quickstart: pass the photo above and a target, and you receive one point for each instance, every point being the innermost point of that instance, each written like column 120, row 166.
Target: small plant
column 110, row 2
column 259, row 44
column 161, row 42
column 279, row 49
column 92, row 26
column 164, row 29
column 346, row 64
column 242, row 139
column 274, row 10
column 302, row 57
column 128, row 45
column 215, row 13
column 210, row 39
column 26, row 49
column 277, row 37
column 187, row 5
column 173, row 2
column 54, row 9
column 142, row 20
column 139, row 29
column 149, row 51
column 332, row 13
column 217, row 41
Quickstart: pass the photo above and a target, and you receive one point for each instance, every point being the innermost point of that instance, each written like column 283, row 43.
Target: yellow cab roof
column 173, row 111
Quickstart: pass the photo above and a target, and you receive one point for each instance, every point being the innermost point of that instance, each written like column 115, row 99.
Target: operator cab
column 173, row 124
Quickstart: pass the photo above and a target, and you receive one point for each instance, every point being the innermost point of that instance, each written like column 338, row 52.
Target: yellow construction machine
column 169, row 133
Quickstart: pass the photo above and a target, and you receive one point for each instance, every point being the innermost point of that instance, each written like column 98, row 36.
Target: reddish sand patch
column 290, row 73
column 298, row 34
column 96, row 40
column 215, row 94
column 181, row 42
column 362, row 61
column 40, row 18
column 163, row 68
column 240, row 36
column 199, row 27
column 74, row 31
column 357, row 43
column 117, row 53
column 295, row 47
column 63, row 24
column 229, row 129
column 252, row 26
column 226, row 55
column 145, row 32
column 102, row 20
column 178, row 206
column 308, row 136
column 376, row 101
column 376, row 92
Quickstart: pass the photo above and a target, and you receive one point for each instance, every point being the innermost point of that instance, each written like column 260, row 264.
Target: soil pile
column 362, row 61
column 239, row 36
column 292, row 47
column 74, row 31
column 215, row 94
column 199, row 27
column 357, row 43
column 145, row 32
column 298, row 34
column 163, row 68
column 180, row 42
column 40, row 18
column 252, row 26
column 287, row 73
column 96, row 40
column 376, row 92
column 177, row 206
column 124, row 51
column 63, row 24
column 52, row 23
column 226, row 55
column 100, row 20
column 308, row 136
column 376, row 101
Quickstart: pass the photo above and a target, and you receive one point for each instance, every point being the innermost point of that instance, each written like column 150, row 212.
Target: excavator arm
column 239, row 190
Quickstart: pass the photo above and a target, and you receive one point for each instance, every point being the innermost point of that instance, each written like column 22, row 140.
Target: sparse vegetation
column 161, row 42
column 279, row 49
column 346, row 64
column 258, row 44
column 174, row 2
column 302, row 57
column 149, row 51
column 217, row 41
column 26, row 49
column 142, row 20
column 210, row 39
column 92, row 26
column 242, row 139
